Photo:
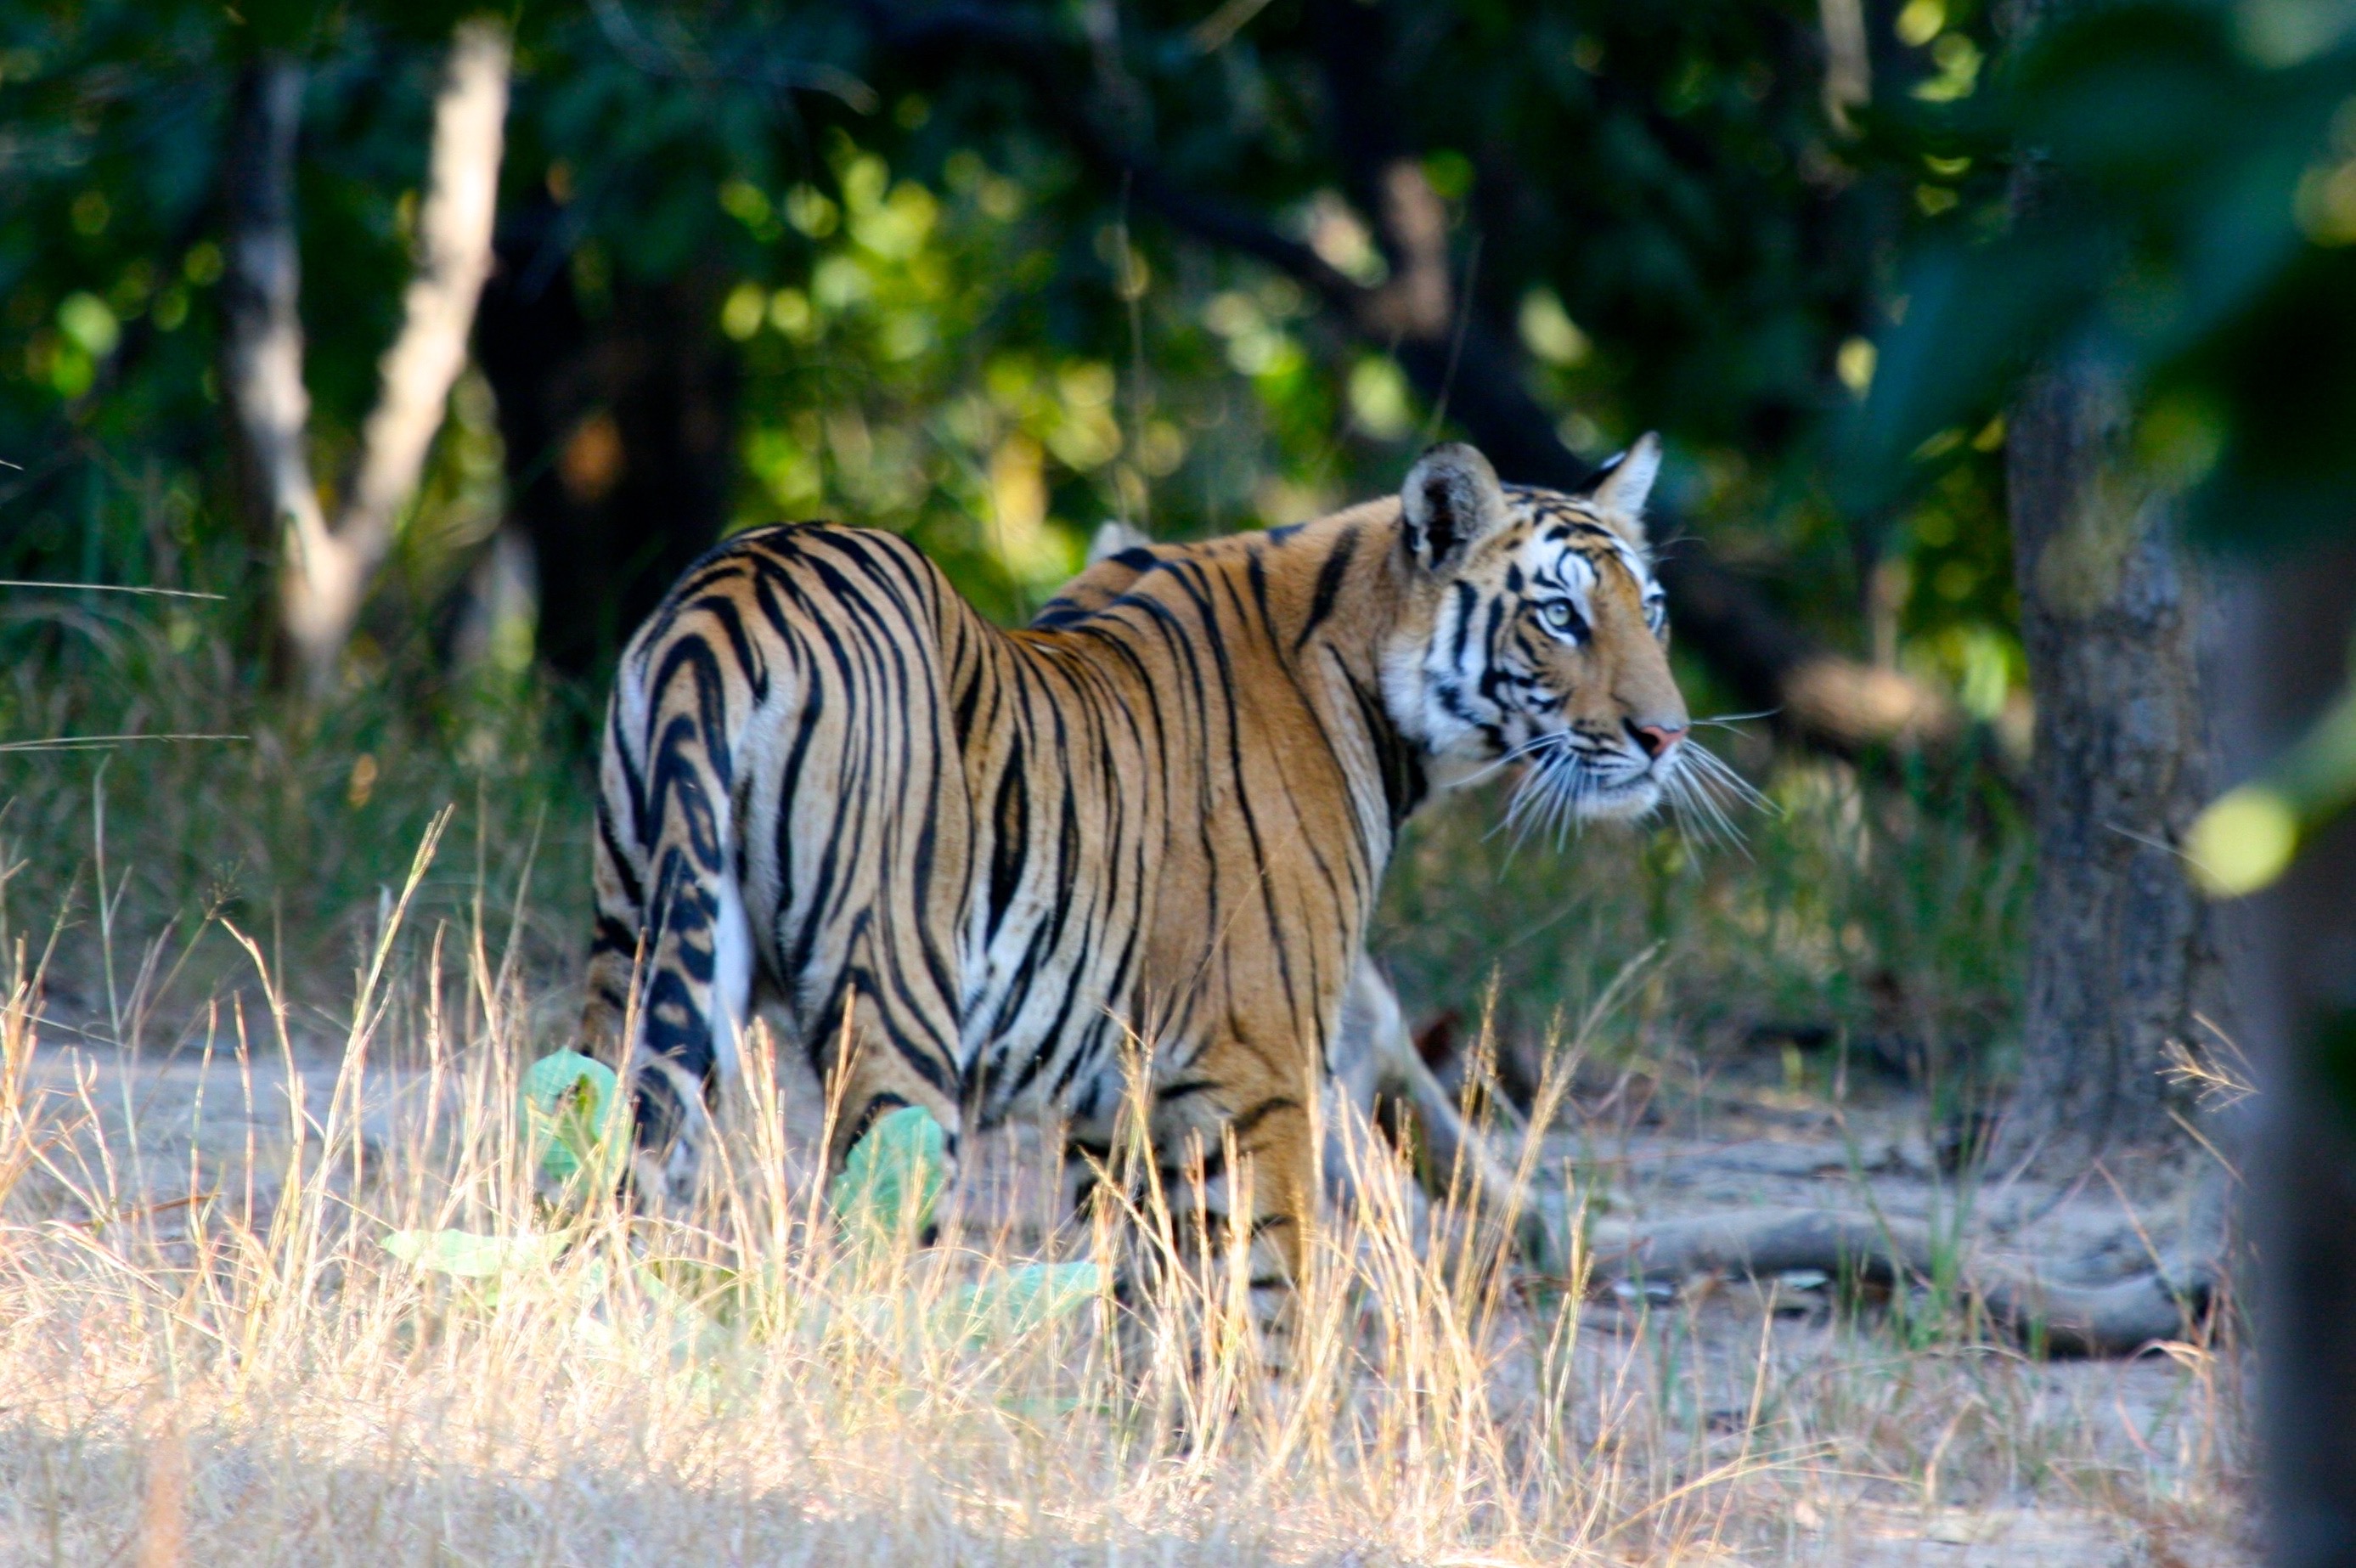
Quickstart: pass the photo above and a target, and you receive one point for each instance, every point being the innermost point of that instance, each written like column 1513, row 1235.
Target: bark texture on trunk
column 325, row 568
column 2287, row 652
column 260, row 290
column 2123, row 951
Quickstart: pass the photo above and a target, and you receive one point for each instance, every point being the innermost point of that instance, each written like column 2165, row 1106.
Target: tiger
column 1376, row 1068
column 1125, row 854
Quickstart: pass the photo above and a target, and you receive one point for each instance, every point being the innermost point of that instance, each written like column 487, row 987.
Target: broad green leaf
column 891, row 1178
column 570, row 1110
column 470, row 1255
column 1020, row 1301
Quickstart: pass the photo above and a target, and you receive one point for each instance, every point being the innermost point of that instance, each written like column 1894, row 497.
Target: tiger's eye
column 1558, row 614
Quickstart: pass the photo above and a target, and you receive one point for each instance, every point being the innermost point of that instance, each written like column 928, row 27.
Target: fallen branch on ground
column 2116, row 1320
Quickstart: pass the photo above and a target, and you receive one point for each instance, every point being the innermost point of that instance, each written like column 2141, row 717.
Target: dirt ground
column 2059, row 1461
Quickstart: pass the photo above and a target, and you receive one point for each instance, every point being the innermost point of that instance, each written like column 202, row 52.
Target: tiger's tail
column 671, row 967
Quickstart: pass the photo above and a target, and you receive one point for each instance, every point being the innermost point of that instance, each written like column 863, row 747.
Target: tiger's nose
column 1656, row 740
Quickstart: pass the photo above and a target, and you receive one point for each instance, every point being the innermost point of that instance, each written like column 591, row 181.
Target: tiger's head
column 1536, row 633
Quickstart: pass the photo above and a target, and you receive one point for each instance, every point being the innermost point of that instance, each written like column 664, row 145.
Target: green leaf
column 470, row 1255
column 1022, row 1301
column 570, row 1108
column 1976, row 317
column 891, row 1178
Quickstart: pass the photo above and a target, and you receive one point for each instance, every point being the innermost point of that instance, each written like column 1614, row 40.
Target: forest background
column 985, row 280
column 1883, row 275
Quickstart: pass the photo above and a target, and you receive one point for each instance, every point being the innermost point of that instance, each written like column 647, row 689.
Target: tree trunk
column 2123, row 950
column 2294, row 979
column 620, row 436
column 261, row 335
column 324, row 571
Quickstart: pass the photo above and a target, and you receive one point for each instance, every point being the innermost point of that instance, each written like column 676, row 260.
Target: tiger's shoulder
column 1120, row 556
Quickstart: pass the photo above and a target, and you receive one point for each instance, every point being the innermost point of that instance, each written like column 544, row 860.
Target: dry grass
column 208, row 1357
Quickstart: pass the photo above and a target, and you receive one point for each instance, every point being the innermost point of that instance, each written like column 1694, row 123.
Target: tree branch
column 454, row 257
column 2116, row 1320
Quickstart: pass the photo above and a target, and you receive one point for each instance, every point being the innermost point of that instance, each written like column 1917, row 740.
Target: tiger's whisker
column 1717, row 774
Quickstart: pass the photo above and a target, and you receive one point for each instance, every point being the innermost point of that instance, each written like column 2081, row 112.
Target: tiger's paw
column 675, row 1131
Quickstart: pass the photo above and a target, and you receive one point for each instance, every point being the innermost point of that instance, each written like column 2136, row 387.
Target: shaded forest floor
column 198, row 1347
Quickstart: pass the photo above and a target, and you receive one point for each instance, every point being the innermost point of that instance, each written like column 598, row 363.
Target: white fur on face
column 1474, row 700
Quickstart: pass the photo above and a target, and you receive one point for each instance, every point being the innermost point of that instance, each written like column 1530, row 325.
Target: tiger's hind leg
column 781, row 742
column 1230, row 1203
column 614, row 949
column 873, row 1062
column 699, row 984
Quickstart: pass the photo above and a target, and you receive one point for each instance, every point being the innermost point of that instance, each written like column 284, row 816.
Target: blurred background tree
column 2174, row 279
column 992, row 276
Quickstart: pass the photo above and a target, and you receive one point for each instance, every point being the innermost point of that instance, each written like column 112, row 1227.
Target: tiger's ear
column 1619, row 489
column 1113, row 536
column 1450, row 501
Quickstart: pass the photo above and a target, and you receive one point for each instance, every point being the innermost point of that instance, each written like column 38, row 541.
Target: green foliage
column 572, row 1117
column 883, row 1202
column 106, row 263
column 952, row 321
column 2186, row 224
column 293, row 827
column 891, row 1178
column 2182, row 226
